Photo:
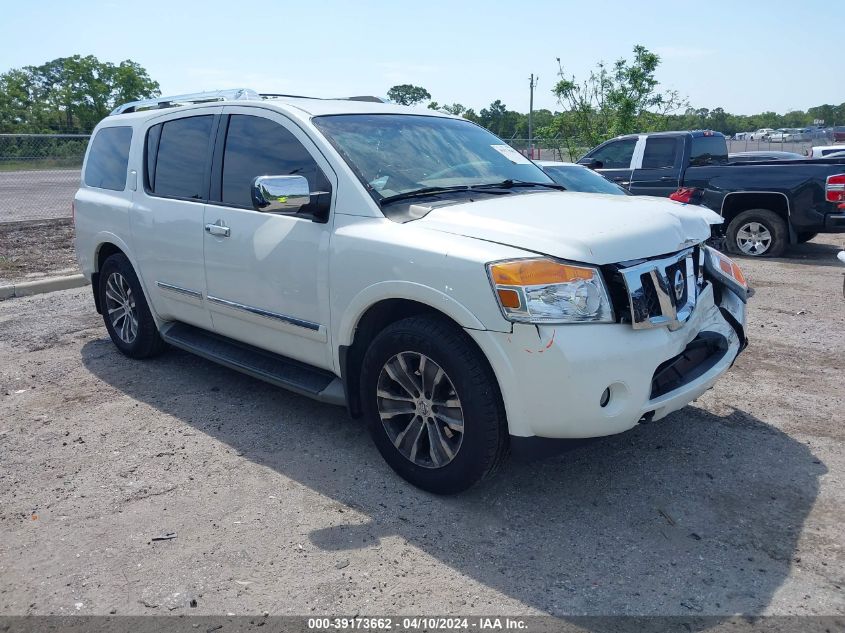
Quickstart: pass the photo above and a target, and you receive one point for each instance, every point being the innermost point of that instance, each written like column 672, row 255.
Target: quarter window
column 256, row 146
column 178, row 166
column 660, row 152
column 616, row 155
column 109, row 158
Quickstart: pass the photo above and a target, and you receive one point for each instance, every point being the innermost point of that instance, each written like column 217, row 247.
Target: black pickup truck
column 766, row 205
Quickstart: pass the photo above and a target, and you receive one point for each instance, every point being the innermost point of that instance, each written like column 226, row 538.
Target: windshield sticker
column 511, row 154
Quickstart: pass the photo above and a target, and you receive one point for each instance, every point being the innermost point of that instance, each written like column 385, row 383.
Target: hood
column 586, row 227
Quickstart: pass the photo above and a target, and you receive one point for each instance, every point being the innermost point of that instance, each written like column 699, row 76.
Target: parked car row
column 792, row 135
column 819, row 151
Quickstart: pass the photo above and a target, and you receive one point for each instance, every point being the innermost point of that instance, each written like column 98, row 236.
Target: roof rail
column 370, row 99
column 237, row 94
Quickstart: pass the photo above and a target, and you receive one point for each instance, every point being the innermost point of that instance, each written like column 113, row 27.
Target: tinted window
column 256, row 146
column 660, row 152
column 577, row 178
column 109, row 158
column 615, row 155
column 708, row 149
column 181, row 163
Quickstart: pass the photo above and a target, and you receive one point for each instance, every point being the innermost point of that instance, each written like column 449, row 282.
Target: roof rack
column 237, row 94
column 367, row 98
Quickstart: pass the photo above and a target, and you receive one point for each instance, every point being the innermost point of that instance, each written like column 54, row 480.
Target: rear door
column 659, row 168
column 616, row 158
column 167, row 213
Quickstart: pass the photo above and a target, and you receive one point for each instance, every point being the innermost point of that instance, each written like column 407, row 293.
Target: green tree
column 408, row 94
column 456, row 108
column 69, row 94
column 619, row 99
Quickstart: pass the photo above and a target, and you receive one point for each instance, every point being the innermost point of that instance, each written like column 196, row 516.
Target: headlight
column 723, row 269
column 545, row 291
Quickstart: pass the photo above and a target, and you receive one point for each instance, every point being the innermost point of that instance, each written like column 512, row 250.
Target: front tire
column 125, row 311
column 757, row 233
column 433, row 405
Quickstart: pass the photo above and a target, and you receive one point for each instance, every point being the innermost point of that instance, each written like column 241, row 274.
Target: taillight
column 834, row 190
column 684, row 194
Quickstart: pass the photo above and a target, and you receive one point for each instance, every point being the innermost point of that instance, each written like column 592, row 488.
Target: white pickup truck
column 407, row 264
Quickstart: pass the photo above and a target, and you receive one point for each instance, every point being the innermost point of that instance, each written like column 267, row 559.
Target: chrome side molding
column 266, row 313
column 179, row 289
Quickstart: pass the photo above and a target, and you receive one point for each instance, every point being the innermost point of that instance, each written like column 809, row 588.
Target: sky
column 746, row 56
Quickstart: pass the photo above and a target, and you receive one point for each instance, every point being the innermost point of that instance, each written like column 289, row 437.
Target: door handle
column 216, row 229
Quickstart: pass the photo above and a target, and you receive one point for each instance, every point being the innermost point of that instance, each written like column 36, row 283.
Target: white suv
column 407, row 264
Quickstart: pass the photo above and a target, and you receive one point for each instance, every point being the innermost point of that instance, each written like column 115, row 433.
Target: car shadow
column 697, row 514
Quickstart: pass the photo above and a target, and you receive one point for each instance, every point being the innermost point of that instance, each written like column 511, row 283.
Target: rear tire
column 125, row 311
column 757, row 233
column 805, row 237
column 433, row 405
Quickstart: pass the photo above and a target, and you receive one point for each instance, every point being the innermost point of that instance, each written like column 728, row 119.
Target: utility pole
column 532, row 84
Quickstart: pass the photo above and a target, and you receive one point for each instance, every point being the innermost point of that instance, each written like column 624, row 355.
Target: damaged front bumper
column 593, row 380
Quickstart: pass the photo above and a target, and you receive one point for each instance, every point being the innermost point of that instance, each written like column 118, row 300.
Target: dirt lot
column 732, row 505
column 36, row 249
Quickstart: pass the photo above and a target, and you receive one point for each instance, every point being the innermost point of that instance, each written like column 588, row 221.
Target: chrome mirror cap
column 280, row 194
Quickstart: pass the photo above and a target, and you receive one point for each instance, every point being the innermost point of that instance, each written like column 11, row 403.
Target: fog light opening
column 605, row 398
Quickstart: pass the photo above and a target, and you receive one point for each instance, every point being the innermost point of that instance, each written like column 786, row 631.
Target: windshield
column 576, row 178
column 394, row 154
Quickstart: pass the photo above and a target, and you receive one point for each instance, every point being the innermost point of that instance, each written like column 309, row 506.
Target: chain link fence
column 547, row 149
column 559, row 149
column 39, row 174
column 766, row 145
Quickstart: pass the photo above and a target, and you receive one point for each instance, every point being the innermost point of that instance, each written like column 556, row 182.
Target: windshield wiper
column 425, row 191
column 485, row 187
column 510, row 184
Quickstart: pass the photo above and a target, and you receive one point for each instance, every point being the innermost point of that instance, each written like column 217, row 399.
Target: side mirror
column 280, row 194
column 591, row 163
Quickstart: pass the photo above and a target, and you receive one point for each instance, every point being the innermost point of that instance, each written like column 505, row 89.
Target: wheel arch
column 736, row 202
column 356, row 338
column 109, row 244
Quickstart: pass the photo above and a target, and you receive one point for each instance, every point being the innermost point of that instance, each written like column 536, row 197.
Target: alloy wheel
column 120, row 306
column 753, row 238
column 420, row 409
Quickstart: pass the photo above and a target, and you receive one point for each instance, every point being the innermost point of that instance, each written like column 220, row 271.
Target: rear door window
column 616, row 155
column 179, row 156
column 660, row 152
column 109, row 158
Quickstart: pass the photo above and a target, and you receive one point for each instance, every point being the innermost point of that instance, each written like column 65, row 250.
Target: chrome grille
column 661, row 291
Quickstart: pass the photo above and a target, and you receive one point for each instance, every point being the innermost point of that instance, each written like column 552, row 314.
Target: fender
column 420, row 293
column 103, row 237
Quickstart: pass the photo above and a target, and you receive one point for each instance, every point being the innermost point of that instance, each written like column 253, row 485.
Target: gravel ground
column 280, row 504
column 29, row 251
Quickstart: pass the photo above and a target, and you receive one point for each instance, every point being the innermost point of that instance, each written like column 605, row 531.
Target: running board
column 277, row 370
